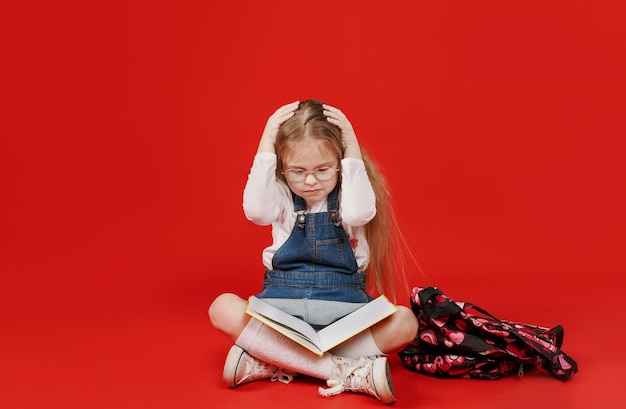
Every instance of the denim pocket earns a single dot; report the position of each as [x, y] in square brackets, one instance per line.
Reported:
[330, 252]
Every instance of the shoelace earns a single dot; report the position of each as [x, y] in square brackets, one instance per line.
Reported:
[355, 375]
[262, 370]
[283, 376]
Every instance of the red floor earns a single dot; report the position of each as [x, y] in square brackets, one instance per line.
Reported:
[159, 351]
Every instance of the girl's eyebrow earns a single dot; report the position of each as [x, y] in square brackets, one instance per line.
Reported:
[324, 165]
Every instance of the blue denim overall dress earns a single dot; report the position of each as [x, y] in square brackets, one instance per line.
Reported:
[315, 273]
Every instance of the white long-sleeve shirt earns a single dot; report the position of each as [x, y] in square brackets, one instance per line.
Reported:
[268, 201]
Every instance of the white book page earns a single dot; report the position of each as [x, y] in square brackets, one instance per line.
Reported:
[352, 324]
[281, 318]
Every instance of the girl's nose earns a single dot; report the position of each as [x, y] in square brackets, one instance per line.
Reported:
[310, 179]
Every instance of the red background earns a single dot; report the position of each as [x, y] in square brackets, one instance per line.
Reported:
[127, 130]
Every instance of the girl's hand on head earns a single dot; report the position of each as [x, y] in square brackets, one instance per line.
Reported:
[351, 146]
[268, 138]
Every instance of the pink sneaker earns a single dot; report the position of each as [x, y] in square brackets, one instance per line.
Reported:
[366, 375]
[241, 367]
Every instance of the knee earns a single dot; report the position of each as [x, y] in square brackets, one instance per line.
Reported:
[397, 331]
[408, 324]
[222, 310]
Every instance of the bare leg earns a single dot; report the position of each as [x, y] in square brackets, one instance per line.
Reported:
[395, 332]
[228, 315]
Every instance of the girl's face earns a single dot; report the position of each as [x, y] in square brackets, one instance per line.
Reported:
[312, 155]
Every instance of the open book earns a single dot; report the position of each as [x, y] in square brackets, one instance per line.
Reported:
[320, 341]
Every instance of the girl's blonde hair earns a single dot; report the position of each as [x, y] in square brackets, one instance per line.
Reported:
[387, 246]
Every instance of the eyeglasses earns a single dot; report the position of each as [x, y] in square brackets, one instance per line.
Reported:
[299, 175]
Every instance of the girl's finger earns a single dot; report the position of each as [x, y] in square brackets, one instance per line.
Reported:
[290, 106]
[286, 108]
[335, 114]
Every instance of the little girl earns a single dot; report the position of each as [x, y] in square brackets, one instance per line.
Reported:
[331, 224]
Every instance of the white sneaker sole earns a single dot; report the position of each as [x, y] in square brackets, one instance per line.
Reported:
[230, 366]
[382, 381]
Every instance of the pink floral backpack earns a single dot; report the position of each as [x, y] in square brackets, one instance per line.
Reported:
[459, 339]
